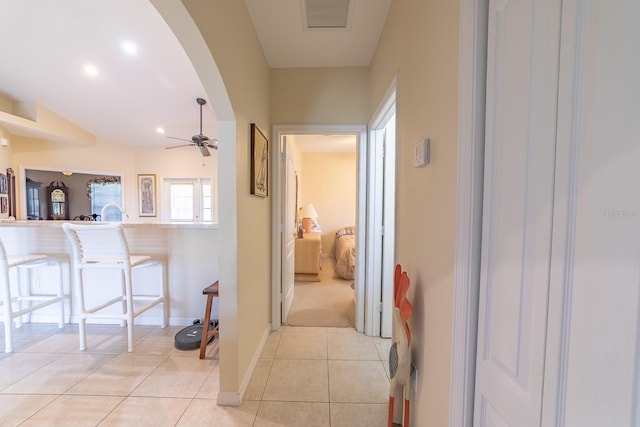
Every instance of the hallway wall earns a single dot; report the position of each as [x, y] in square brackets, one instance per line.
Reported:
[419, 46]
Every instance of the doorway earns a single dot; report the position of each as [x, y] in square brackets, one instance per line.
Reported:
[320, 213]
[287, 206]
[372, 292]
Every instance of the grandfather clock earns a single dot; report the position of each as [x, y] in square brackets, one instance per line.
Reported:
[58, 199]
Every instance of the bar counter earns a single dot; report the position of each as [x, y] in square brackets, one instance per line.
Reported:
[190, 249]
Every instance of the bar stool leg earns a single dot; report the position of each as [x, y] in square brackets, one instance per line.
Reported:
[205, 327]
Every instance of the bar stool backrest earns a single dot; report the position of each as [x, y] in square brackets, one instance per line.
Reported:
[97, 243]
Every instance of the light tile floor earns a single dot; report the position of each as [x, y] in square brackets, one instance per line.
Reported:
[305, 377]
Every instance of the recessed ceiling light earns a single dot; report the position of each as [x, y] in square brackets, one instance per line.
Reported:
[160, 130]
[129, 48]
[91, 70]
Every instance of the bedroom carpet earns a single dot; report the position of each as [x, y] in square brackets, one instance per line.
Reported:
[327, 303]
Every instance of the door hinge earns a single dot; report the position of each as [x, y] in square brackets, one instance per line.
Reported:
[382, 230]
[379, 307]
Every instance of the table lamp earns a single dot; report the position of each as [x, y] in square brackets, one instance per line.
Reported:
[308, 214]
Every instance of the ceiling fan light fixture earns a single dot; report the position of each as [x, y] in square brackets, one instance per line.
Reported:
[200, 140]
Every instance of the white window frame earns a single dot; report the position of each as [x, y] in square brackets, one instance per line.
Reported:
[197, 196]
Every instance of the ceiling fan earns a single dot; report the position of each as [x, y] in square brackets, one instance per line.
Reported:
[201, 141]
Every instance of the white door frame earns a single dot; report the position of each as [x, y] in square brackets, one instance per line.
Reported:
[277, 133]
[471, 114]
[380, 244]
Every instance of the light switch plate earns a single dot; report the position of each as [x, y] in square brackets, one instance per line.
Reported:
[421, 153]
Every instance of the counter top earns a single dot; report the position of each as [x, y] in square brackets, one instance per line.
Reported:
[125, 224]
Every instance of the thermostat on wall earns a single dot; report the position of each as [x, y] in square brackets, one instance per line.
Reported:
[421, 153]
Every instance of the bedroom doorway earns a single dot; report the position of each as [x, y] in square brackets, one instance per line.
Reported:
[325, 168]
[334, 187]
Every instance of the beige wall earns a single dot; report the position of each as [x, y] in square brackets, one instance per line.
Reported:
[419, 44]
[320, 95]
[246, 304]
[329, 183]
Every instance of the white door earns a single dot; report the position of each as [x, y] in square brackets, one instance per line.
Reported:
[595, 282]
[521, 109]
[289, 229]
[388, 226]
[375, 193]
[380, 222]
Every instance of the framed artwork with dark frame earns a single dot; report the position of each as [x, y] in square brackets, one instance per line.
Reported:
[259, 162]
[146, 195]
[4, 204]
[4, 184]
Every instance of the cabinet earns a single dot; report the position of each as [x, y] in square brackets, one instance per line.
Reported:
[33, 199]
[307, 257]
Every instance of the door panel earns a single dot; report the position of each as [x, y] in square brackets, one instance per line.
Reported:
[289, 231]
[522, 70]
[599, 307]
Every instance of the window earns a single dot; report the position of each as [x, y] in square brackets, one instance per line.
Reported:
[103, 193]
[189, 199]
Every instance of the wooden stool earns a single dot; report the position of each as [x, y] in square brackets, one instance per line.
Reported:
[210, 291]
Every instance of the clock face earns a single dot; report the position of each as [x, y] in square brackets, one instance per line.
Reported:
[57, 196]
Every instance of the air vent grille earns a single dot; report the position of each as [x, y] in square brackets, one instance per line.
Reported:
[327, 13]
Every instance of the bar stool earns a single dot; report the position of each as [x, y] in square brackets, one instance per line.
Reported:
[24, 264]
[104, 247]
[210, 291]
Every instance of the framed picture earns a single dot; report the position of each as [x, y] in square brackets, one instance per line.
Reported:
[4, 184]
[259, 162]
[4, 204]
[146, 195]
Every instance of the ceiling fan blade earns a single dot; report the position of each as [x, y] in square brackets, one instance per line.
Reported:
[179, 139]
[178, 146]
[203, 149]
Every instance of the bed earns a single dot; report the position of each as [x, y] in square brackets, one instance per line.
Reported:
[345, 252]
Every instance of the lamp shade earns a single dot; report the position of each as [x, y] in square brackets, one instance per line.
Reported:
[308, 211]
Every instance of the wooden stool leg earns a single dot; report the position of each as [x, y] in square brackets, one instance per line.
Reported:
[205, 327]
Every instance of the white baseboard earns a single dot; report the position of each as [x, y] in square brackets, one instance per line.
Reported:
[227, 398]
[235, 398]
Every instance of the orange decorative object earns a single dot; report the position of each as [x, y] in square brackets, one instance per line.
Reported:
[400, 354]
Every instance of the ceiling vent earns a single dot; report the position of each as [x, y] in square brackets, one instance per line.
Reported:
[326, 13]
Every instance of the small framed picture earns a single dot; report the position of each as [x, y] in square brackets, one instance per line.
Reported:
[259, 162]
[4, 204]
[147, 195]
[4, 184]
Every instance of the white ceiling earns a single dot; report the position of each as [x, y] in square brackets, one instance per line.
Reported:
[44, 45]
[286, 43]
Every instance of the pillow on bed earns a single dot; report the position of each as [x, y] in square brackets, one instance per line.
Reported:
[345, 231]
